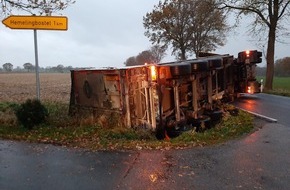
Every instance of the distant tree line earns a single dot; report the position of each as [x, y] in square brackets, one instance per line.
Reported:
[153, 55]
[28, 67]
[281, 68]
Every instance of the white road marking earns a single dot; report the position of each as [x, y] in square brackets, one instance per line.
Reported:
[260, 116]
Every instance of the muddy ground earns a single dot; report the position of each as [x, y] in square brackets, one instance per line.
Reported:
[18, 87]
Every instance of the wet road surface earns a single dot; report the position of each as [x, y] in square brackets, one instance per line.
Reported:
[277, 107]
[40, 166]
[257, 161]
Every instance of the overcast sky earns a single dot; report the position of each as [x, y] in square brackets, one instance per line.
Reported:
[100, 34]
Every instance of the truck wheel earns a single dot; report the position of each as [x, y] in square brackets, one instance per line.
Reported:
[172, 133]
[202, 123]
[215, 116]
[160, 133]
[178, 129]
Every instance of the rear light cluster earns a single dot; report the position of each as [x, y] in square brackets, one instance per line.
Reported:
[250, 91]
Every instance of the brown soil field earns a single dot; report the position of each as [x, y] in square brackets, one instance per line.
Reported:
[18, 87]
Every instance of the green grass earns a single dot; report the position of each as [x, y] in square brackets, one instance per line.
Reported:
[229, 128]
[281, 85]
[85, 132]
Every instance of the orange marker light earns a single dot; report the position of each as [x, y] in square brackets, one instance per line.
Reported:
[248, 53]
[153, 72]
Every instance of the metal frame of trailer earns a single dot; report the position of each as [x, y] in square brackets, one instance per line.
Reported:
[167, 97]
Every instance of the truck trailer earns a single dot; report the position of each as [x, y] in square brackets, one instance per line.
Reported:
[167, 98]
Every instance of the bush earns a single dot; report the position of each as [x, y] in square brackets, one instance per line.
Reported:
[31, 113]
[7, 116]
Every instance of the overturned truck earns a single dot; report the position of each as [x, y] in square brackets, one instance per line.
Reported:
[167, 98]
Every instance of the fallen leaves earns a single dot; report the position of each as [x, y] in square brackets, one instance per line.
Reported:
[64, 130]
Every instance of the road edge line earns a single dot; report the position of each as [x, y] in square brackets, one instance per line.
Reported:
[272, 120]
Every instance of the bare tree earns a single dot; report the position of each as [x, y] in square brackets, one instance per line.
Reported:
[189, 26]
[158, 53]
[38, 7]
[269, 16]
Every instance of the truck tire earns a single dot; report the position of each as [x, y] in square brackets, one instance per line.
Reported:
[202, 123]
[177, 129]
[215, 116]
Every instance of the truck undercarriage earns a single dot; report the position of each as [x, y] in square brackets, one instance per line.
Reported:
[167, 98]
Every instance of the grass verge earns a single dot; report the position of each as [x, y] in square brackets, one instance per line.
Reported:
[60, 129]
[281, 86]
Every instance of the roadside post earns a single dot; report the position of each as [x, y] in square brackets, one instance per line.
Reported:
[36, 23]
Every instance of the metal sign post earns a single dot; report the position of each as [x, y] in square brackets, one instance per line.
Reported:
[36, 66]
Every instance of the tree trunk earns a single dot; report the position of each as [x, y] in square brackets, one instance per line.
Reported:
[270, 58]
[183, 52]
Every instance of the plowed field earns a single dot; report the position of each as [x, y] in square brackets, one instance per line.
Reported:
[17, 87]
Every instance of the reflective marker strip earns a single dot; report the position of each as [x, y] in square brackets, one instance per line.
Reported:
[260, 116]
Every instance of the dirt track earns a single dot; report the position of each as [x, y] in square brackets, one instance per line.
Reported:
[17, 87]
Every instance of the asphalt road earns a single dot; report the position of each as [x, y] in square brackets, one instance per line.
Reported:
[276, 107]
[256, 161]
